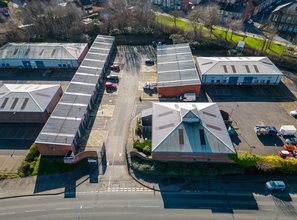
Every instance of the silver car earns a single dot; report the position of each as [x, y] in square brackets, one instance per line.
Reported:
[291, 141]
[275, 185]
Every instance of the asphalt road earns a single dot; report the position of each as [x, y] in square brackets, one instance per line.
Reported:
[202, 205]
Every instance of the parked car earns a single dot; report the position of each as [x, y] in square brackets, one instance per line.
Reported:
[266, 10]
[149, 61]
[49, 72]
[284, 154]
[270, 7]
[115, 67]
[250, 21]
[275, 185]
[154, 43]
[291, 141]
[112, 78]
[160, 43]
[110, 85]
[294, 152]
[290, 147]
[293, 113]
[279, 1]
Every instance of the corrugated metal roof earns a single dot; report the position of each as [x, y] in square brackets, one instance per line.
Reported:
[26, 97]
[61, 51]
[176, 66]
[63, 123]
[237, 66]
[167, 140]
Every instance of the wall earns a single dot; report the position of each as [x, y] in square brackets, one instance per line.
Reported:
[53, 150]
[274, 79]
[14, 63]
[50, 108]
[23, 117]
[179, 90]
[83, 54]
[192, 157]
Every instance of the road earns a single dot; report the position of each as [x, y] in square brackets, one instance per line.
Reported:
[153, 205]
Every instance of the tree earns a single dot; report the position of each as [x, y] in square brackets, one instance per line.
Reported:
[235, 26]
[212, 16]
[270, 35]
[176, 14]
[196, 17]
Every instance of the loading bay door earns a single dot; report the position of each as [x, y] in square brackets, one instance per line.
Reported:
[232, 80]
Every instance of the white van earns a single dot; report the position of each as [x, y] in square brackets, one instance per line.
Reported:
[188, 97]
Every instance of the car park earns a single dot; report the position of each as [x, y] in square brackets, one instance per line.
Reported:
[49, 72]
[284, 154]
[275, 185]
[112, 78]
[110, 85]
[115, 67]
[290, 147]
[149, 61]
[293, 113]
[291, 141]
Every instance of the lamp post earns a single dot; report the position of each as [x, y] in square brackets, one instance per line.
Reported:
[233, 109]
[275, 148]
[80, 211]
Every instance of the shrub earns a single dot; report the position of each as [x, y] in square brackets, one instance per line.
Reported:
[246, 160]
[147, 150]
[33, 153]
[144, 146]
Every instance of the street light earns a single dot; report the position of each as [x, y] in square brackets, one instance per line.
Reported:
[275, 148]
[233, 109]
[80, 211]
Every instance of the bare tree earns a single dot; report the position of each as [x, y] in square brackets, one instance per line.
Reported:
[176, 14]
[196, 17]
[270, 35]
[235, 26]
[212, 17]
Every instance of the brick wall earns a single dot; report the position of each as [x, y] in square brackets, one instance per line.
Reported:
[53, 150]
[179, 90]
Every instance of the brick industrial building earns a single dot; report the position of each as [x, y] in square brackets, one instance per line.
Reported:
[189, 132]
[66, 124]
[177, 73]
[27, 103]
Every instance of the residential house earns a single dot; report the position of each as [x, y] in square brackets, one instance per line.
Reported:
[3, 8]
[284, 18]
[86, 6]
[173, 4]
[232, 12]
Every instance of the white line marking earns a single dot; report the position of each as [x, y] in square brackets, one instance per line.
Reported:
[149, 206]
[7, 213]
[109, 181]
[40, 210]
[63, 208]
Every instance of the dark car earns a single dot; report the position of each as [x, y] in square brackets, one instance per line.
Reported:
[112, 78]
[115, 67]
[49, 72]
[171, 180]
[149, 61]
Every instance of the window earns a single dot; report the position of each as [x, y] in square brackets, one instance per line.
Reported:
[295, 29]
[7, 64]
[293, 20]
[256, 81]
[202, 137]
[64, 65]
[272, 25]
[288, 19]
[262, 81]
[218, 81]
[283, 19]
[290, 28]
[59, 65]
[3, 64]
[275, 17]
[280, 26]
[285, 27]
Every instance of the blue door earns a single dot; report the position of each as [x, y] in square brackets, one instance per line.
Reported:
[232, 80]
[268, 81]
[247, 81]
[39, 64]
[27, 64]
[211, 82]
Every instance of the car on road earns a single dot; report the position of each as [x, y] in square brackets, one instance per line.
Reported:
[49, 72]
[149, 61]
[110, 85]
[115, 67]
[171, 180]
[112, 78]
[284, 154]
[275, 185]
[291, 141]
[290, 147]
[250, 21]
[293, 113]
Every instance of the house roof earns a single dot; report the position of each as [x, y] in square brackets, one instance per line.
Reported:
[42, 50]
[236, 65]
[232, 7]
[63, 124]
[85, 2]
[176, 66]
[289, 8]
[3, 4]
[26, 97]
[176, 128]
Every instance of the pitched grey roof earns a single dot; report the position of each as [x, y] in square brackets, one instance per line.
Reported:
[63, 124]
[289, 9]
[176, 66]
[236, 65]
[172, 133]
[42, 51]
[26, 97]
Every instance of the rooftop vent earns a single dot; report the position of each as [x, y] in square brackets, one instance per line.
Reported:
[4, 103]
[24, 103]
[233, 68]
[53, 52]
[166, 126]
[256, 69]
[165, 113]
[14, 103]
[209, 114]
[41, 52]
[206, 63]
[27, 52]
[16, 50]
[247, 68]
[213, 127]
[225, 68]
[44, 95]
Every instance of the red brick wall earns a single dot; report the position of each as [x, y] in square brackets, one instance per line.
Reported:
[9, 117]
[55, 100]
[82, 56]
[189, 157]
[53, 150]
[179, 90]
[185, 4]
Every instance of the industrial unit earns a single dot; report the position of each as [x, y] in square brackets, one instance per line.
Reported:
[177, 73]
[188, 132]
[66, 124]
[238, 71]
[28, 103]
[42, 55]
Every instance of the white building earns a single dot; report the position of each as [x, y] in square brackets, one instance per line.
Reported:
[238, 71]
[42, 55]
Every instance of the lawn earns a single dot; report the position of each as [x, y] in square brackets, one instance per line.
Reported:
[54, 165]
[253, 42]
